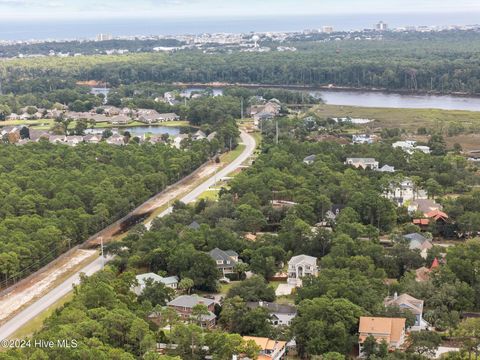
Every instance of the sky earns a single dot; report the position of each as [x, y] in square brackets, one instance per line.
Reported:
[65, 9]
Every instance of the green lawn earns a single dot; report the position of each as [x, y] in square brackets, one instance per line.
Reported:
[225, 288]
[232, 155]
[209, 195]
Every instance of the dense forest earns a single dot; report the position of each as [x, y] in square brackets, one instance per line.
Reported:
[55, 196]
[444, 63]
[354, 264]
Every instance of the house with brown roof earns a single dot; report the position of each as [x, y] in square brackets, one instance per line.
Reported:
[269, 349]
[423, 273]
[405, 301]
[390, 330]
[435, 216]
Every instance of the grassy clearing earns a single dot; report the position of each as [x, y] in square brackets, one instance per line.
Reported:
[210, 194]
[232, 155]
[37, 323]
[225, 288]
[409, 119]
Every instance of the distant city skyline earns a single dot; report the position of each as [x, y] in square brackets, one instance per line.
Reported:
[171, 9]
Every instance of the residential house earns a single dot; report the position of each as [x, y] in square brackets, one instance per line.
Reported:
[13, 116]
[435, 216]
[148, 116]
[170, 98]
[424, 206]
[184, 305]
[92, 138]
[36, 135]
[57, 139]
[199, 135]
[111, 111]
[417, 241]
[11, 133]
[269, 349]
[155, 139]
[363, 163]
[177, 141]
[404, 192]
[299, 267]
[225, 260]
[331, 215]
[74, 140]
[116, 139]
[169, 117]
[281, 315]
[265, 112]
[362, 139]
[194, 225]
[99, 118]
[119, 120]
[212, 136]
[410, 146]
[423, 273]
[387, 169]
[391, 330]
[408, 302]
[170, 282]
[309, 160]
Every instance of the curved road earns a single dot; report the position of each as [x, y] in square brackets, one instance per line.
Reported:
[64, 288]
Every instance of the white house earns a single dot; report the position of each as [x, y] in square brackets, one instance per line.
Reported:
[170, 282]
[280, 314]
[404, 192]
[410, 146]
[362, 139]
[301, 266]
[363, 163]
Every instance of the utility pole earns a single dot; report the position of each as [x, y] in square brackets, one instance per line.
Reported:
[241, 109]
[101, 251]
[276, 131]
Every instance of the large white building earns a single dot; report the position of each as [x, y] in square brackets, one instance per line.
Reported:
[299, 267]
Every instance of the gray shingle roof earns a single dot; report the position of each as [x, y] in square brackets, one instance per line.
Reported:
[189, 301]
[225, 256]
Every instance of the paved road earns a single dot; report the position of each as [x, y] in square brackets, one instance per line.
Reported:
[64, 288]
[234, 165]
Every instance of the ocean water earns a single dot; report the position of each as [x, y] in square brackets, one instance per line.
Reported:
[87, 29]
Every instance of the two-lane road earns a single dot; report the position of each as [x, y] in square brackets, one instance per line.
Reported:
[64, 288]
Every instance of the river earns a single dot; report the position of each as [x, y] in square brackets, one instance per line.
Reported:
[391, 100]
[383, 99]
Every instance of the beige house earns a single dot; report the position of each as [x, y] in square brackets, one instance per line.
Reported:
[390, 330]
[363, 163]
